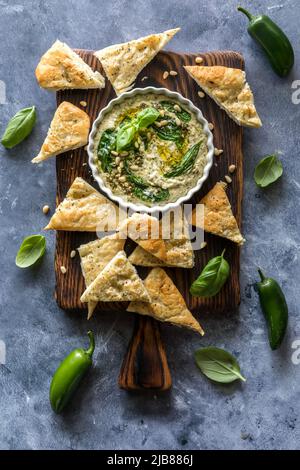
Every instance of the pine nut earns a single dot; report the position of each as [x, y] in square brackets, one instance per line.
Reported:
[218, 152]
[163, 123]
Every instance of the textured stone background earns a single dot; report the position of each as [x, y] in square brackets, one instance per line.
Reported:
[196, 414]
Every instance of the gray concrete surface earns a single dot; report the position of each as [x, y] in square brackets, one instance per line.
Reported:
[263, 413]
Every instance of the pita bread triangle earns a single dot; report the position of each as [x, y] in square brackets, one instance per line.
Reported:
[123, 62]
[141, 257]
[69, 130]
[61, 68]
[218, 217]
[95, 256]
[117, 282]
[84, 210]
[179, 251]
[229, 89]
[167, 304]
[145, 230]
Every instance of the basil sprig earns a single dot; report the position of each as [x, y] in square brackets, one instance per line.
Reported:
[142, 120]
[182, 114]
[30, 251]
[268, 170]
[218, 365]
[19, 127]
[212, 278]
[107, 143]
[186, 164]
[142, 190]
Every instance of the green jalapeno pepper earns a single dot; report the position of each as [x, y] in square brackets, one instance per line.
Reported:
[273, 41]
[69, 374]
[275, 309]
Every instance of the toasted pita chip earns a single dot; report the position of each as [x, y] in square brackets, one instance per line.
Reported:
[146, 232]
[68, 130]
[167, 304]
[229, 89]
[95, 256]
[61, 68]
[84, 210]
[218, 216]
[179, 251]
[179, 254]
[141, 257]
[117, 282]
[123, 62]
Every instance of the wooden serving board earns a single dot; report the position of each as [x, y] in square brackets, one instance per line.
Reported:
[227, 135]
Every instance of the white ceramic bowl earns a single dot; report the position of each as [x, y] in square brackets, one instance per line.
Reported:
[169, 94]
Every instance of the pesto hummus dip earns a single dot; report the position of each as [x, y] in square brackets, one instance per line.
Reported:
[150, 150]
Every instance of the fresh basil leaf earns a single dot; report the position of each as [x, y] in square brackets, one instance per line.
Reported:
[125, 135]
[146, 117]
[186, 164]
[19, 127]
[212, 278]
[30, 251]
[107, 143]
[182, 114]
[142, 120]
[218, 365]
[125, 120]
[268, 170]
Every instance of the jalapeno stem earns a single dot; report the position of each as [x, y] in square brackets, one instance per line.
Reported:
[246, 12]
[262, 276]
[91, 348]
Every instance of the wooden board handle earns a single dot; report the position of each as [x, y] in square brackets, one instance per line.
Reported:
[145, 365]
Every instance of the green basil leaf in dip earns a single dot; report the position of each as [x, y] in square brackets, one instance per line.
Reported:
[170, 132]
[146, 117]
[125, 135]
[186, 164]
[127, 132]
[19, 127]
[268, 170]
[182, 114]
[107, 143]
[212, 278]
[30, 251]
[218, 365]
